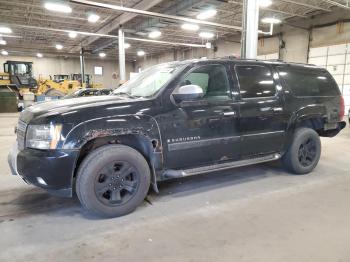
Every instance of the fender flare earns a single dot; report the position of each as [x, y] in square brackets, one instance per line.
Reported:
[315, 111]
[114, 126]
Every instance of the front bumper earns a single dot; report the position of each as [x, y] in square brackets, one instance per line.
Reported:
[52, 170]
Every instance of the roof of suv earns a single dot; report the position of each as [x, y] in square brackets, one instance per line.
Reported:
[239, 60]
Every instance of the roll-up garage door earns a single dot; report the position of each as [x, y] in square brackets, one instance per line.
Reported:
[336, 59]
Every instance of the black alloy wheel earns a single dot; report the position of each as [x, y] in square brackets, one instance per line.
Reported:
[307, 152]
[116, 183]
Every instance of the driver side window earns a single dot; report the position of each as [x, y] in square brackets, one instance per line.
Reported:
[212, 79]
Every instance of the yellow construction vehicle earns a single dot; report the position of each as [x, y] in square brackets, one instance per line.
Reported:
[18, 75]
[88, 81]
[59, 85]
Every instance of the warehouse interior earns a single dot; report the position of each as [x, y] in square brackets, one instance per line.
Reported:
[250, 213]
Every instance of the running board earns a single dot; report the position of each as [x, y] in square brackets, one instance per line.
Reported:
[168, 174]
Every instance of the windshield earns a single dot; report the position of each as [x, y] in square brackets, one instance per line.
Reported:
[18, 68]
[148, 82]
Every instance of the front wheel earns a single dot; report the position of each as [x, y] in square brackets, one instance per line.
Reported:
[304, 152]
[113, 180]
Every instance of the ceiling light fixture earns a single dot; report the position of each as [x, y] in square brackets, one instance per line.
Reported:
[190, 27]
[102, 55]
[72, 34]
[93, 18]
[141, 53]
[271, 20]
[40, 55]
[3, 42]
[59, 46]
[155, 34]
[206, 35]
[5, 30]
[4, 52]
[207, 14]
[126, 45]
[58, 7]
[265, 3]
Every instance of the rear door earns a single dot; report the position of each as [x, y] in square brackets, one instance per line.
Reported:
[262, 114]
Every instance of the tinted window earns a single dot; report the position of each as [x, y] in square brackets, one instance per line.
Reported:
[308, 81]
[255, 81]
[212, 79]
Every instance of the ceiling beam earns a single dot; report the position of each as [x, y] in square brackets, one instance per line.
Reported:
[154, 14]
[307, 5]
[263, 8]
[106, 36]
[116, 22]
[337, 4]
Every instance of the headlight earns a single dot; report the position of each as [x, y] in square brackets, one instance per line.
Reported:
[43, 136]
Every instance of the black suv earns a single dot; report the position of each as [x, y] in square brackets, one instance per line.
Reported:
[174, 120]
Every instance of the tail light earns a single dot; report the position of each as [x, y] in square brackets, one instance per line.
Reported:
[342, 108]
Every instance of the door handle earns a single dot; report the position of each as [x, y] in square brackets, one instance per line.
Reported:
[231, 113]
[277, 109]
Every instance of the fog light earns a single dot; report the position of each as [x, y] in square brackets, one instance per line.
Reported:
[41, 181]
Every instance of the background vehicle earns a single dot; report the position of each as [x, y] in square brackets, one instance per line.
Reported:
[88, 81]
[60, 85]
[19, 76]
[89, 92]
[174, 120]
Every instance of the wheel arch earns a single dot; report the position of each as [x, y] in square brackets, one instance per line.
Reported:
[312, 116]
[138, 132]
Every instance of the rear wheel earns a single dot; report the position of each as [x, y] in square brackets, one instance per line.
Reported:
[113, 180]
[304, 152]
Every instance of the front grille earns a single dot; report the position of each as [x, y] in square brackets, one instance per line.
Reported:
[21, 133]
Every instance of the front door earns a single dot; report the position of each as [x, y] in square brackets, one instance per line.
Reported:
[262, 115]
[204, 131]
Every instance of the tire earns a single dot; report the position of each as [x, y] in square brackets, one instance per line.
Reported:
[113, 180]
[304, 153]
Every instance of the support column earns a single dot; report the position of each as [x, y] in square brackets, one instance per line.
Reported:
[82, 66]
[249, 41]
[121, 48]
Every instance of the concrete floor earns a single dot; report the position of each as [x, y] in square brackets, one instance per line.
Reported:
[257, 213]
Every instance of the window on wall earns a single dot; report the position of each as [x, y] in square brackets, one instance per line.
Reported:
[98, 70]
[255, 81]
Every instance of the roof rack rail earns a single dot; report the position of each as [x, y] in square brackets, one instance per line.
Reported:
[274, 60]
[231, 57]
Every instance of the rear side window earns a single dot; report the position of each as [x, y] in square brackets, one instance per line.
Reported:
[255, 81]
[308, 81]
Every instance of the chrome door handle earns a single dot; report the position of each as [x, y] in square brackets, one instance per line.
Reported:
[231, 113]
[277, 109]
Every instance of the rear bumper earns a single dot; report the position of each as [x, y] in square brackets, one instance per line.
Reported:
[333, 129]
[51, 170]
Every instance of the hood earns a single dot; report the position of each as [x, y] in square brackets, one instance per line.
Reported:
[63, 107]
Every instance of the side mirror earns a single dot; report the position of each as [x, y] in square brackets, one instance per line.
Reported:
[188, 93]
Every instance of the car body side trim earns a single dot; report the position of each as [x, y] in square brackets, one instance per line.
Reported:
[201, 143]
[265, 133]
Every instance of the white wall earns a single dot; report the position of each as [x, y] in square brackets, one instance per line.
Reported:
[47, 66]
[296, 45]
